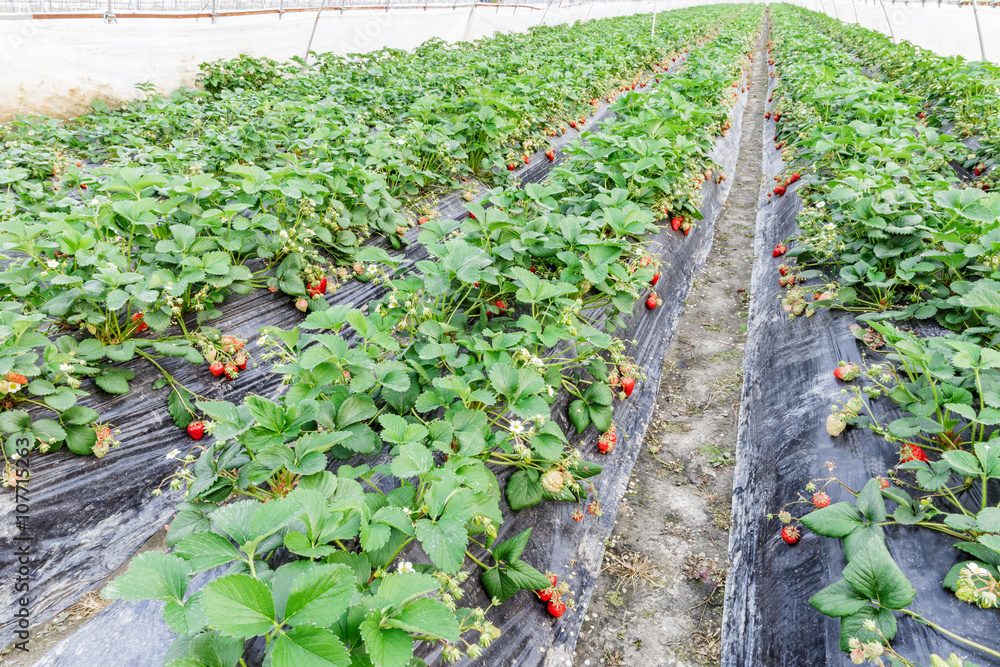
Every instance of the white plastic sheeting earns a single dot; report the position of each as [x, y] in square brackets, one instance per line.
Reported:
[56, 67]
[946, 29]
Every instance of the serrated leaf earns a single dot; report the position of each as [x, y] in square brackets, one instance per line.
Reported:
[320, 595]
[180, 407]
[838, 600]
[206, 550]
[522, 491]
[389, 647]
[153, 575]
[309, 647]
[112, 383]
[238, 605]
[837, 520]
[444, 541]
[579, 415]
[874, 574]
[427, 616]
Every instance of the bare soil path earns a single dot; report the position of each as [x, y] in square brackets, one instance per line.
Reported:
[659, 598]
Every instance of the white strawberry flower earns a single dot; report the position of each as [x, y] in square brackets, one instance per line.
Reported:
[405, 566]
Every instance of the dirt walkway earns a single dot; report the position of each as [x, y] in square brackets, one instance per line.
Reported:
[659, 599]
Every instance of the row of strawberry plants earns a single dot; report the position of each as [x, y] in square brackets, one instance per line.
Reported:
[451, 383]
[882, 203]
[959, 96]
[140, 259]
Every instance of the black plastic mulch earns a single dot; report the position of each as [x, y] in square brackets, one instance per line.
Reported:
[788, 389]
[94, 514]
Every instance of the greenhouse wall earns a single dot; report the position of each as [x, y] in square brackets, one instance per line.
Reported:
[930, 24]
[61, 64]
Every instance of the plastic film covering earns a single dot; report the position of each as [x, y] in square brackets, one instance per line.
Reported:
[788, 388]
[133, 633]
[64, 63]
[948, 28]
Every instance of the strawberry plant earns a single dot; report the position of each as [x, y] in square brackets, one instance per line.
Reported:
[442, 405]
[906, 238]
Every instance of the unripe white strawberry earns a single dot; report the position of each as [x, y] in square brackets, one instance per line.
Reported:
[553, 481]
[835, 425]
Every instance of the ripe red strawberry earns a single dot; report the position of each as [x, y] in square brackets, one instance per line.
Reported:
[783, 269]
[675, 224]
[556, 607]
[216, 368]
[656, 278]
[142, 326]
[572, 124]
[317, 288]
[790, 534]
[422, 220]
[794, 177]
[79, 163]
[653, 301]
[980, 168]
[578, 516]
[604, 444]
[545, 594]
[551, 155]
[791, 280]
[779, 250]
[686, 227]
[783, 281]
[83, 186]
[400, 230]
[16, 378]
[526, 159]
[847, 372]
[767, 115]
[240, 361]
[595, 509]
[821, 500]
[511, 166]
[779, 190]
[196, 430]
[912, 452]
[231, 343]
[883, 483]
[500, 304]
[628, 385]
[231, 370]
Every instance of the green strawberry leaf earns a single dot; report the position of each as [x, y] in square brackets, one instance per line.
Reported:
[523, 490]
[837, 520]
[874, 574]
[238, 605]
[838, 600]
[579, 415]
[309, 646]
